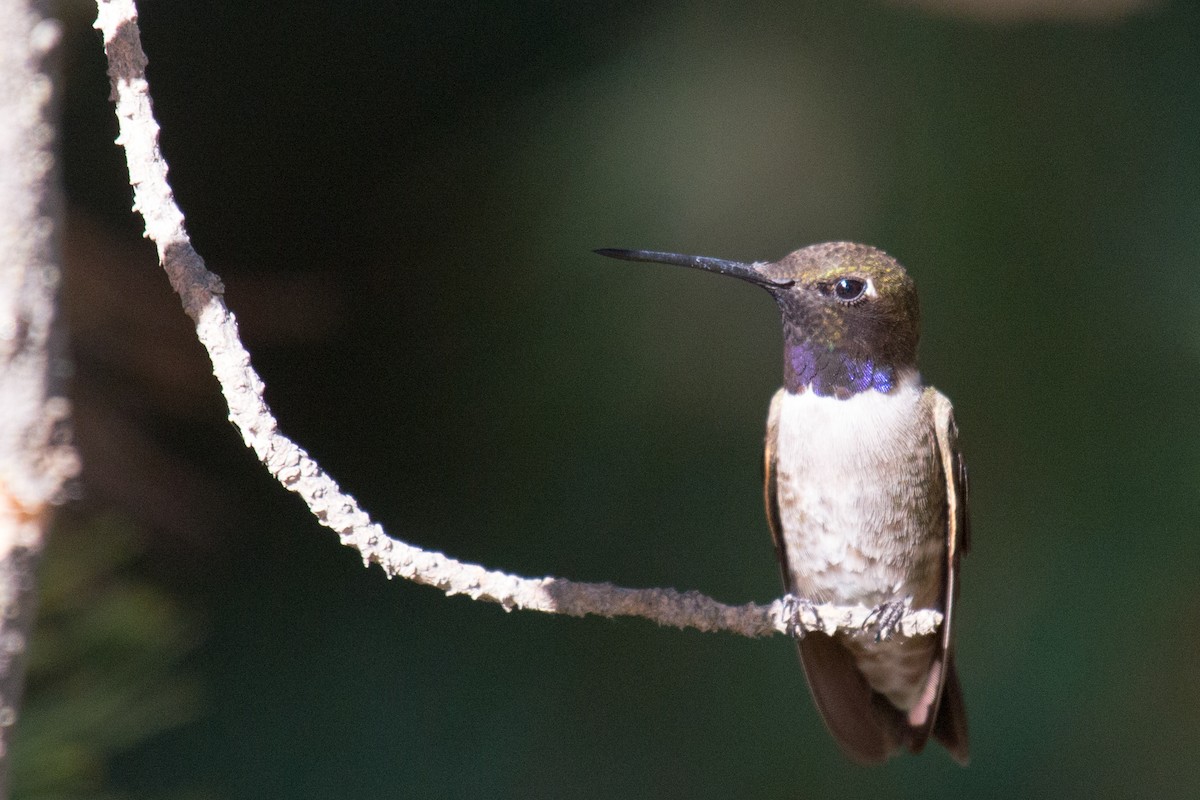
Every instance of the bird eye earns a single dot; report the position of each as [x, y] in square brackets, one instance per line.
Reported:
[849, 289]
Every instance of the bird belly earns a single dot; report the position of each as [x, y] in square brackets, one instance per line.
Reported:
[862, 509]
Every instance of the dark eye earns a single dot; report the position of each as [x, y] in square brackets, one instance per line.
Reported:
[849, 289]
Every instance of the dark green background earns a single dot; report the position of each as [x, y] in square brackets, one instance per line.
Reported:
[493, 390]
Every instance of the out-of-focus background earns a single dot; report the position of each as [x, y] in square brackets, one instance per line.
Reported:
[403, 201]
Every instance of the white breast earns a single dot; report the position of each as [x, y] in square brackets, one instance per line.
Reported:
[861, 496]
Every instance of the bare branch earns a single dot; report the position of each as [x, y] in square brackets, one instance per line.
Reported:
[201, 292]
[35, 460]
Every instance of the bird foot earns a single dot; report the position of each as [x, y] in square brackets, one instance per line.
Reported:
[800, 616]
[885, 619]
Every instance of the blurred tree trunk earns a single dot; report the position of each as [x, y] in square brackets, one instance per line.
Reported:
[35, 459]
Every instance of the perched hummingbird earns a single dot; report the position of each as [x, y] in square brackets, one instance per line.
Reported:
[865, 488]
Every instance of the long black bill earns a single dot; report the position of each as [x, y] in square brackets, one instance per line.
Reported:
[737, 269]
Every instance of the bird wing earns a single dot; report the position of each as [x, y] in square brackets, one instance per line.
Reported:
[941, 708]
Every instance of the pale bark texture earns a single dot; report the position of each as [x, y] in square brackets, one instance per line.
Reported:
[35, 459]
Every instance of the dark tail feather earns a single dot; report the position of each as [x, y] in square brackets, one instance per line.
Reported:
[950, 727]
[868, 728]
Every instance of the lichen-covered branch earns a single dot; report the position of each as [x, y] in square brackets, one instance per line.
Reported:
[35, 459]
[201, 292]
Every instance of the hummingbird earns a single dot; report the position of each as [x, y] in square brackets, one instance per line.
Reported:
[865, 490]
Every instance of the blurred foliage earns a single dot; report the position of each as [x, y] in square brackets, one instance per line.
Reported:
[491, 389]
[104, 672]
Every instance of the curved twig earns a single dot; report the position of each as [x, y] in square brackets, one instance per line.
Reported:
[201, 293]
